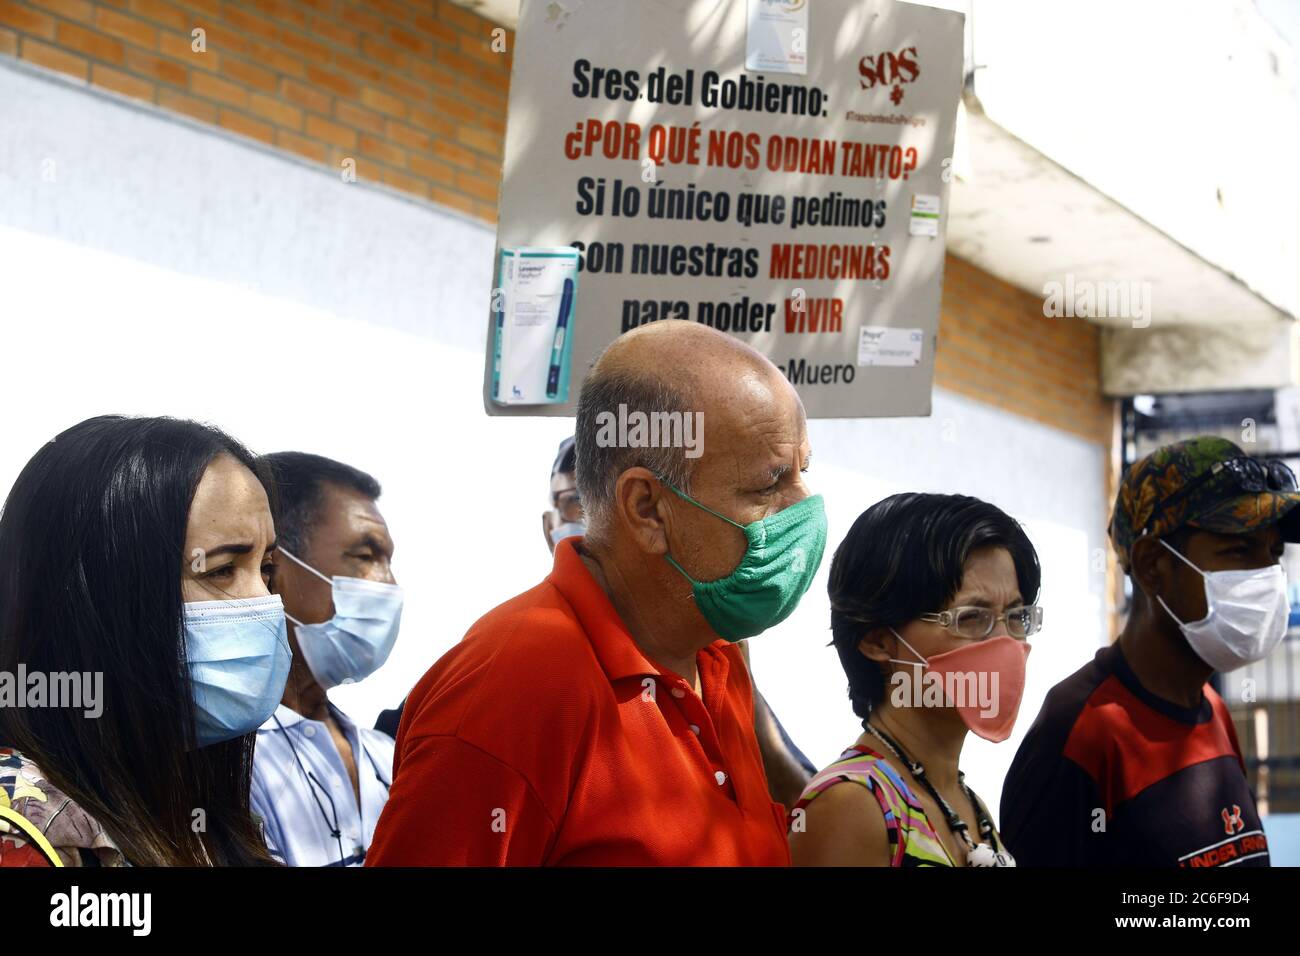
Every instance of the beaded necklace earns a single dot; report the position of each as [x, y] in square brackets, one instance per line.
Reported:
[981, 854]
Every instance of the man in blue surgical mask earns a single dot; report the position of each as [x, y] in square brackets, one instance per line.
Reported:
[319, 781]
[565, 518]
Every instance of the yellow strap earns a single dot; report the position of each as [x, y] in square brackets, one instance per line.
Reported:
[33, 834]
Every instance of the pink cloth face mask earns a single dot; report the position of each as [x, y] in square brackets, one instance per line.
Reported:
[991, 671]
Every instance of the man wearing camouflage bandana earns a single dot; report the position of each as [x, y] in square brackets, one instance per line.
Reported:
[1133, 759]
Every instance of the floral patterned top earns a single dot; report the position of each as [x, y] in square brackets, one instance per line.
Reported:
[39, 824]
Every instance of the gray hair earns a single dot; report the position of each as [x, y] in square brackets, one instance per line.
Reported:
[599, 466]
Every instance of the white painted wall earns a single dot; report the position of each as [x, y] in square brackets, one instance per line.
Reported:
[1173, 108]
[169, 269]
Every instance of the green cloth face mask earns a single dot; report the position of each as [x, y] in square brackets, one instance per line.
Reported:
[784, 553]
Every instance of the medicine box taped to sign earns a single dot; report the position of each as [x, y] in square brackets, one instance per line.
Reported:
[791, 211]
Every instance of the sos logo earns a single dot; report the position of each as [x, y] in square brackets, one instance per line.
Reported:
[889, 69]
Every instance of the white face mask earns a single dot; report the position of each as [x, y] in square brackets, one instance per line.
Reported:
[1248, 613]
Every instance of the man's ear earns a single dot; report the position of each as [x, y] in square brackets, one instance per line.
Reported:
[1149, 566]
[878, 645]
[640, 508]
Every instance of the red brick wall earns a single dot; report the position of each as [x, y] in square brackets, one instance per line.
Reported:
[996, 346]
[413, 92]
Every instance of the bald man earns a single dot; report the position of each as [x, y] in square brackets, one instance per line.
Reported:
[788, 770]
[605, 717]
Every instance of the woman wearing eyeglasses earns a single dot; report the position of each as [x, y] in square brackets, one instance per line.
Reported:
[932, 600]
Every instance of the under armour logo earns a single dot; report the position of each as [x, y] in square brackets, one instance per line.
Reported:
[1232, 822]
[799, 561]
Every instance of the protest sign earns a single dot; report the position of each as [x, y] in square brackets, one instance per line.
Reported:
[804, 213]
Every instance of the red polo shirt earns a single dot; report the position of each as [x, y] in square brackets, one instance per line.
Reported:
[547, 737]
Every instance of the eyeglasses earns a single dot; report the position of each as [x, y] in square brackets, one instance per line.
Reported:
[977, 623]
[569, 505]
[1250, 475]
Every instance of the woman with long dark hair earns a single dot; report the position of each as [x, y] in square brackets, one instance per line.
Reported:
[932, 602]
[142, 645]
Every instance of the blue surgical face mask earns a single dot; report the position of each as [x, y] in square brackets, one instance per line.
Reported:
[570, 529]
[356, 641]
[238, 657]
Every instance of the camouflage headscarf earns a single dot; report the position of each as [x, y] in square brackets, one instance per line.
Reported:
[1150, 501]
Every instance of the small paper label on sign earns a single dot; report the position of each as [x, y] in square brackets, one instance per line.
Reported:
[881, 345]
[925, 215]
[777, 39]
